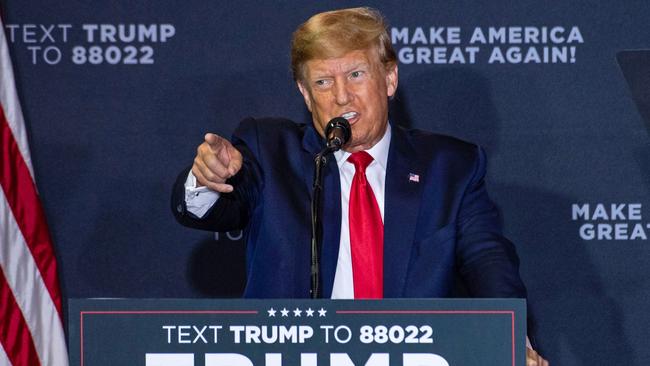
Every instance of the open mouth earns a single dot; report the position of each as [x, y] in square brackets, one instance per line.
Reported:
[350, 116]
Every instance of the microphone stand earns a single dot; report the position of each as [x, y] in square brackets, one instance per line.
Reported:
[316, 224]
[337, 133]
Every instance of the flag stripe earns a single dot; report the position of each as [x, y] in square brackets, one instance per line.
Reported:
[4, 359]
[9, 101]
[14, 334]
[29, 292]
[21, 195]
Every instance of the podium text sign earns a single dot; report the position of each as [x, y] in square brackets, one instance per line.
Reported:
[190, 332]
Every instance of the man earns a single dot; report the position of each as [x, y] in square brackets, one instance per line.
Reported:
[422, 198]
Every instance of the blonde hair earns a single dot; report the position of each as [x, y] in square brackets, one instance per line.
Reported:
[334, 33]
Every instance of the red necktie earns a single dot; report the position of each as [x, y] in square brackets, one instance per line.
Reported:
[366, 233]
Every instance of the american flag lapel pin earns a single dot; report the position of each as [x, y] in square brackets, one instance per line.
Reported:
[414, 178]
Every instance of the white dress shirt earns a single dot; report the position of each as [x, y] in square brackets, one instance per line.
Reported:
[198, 200]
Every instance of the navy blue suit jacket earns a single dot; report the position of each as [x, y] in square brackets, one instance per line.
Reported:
[442, 226]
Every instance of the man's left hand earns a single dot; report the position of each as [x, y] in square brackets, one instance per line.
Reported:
[534, 359]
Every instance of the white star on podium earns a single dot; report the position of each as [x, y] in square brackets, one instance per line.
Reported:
[284, 312]
[297, 312]
[322, 312]
[309, 312]
[272, 312]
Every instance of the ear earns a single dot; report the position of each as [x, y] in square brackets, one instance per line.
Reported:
[391, 80]
[305, 94]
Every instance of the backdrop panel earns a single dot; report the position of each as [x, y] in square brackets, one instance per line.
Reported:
[118, 94]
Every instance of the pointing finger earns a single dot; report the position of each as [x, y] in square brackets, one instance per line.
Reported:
[236, 160]
[211, 138]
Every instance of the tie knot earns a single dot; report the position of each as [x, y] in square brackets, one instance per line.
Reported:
[361, 160]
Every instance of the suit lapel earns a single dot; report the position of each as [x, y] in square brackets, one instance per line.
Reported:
[331, 207]
[404, 181]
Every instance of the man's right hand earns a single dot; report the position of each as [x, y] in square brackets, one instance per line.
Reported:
[216, 160]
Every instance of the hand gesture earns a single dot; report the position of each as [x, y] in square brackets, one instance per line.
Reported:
[216, 160]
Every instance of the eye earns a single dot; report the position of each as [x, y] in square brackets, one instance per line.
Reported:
[322, 83]
[356, 74]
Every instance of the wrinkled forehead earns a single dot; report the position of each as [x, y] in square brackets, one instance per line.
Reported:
[344, 62]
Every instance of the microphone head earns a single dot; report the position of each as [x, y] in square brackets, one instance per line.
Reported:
[337, 132]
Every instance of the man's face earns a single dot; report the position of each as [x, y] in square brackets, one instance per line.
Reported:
[355, 86]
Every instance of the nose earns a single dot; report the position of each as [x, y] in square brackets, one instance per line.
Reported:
[342, 94]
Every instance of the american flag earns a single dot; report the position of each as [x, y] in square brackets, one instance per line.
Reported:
[414, 178]
[31, 326]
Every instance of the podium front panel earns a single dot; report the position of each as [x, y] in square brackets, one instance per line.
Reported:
[190, 332]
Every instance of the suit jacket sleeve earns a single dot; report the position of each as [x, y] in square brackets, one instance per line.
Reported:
[487, 261]
[233, 210]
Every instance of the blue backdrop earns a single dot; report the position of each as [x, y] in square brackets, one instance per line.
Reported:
[118, 94]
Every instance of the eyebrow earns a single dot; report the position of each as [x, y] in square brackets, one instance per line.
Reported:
[353, 67]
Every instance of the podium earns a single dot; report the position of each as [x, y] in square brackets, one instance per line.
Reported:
[203, 332]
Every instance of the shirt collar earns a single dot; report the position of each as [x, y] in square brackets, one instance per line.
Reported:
[379, 152]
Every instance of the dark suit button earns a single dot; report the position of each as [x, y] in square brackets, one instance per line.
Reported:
[179, 208]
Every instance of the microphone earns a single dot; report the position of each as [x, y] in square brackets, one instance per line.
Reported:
[337, 133]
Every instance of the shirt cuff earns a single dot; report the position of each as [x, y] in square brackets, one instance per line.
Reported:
[198, 200]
